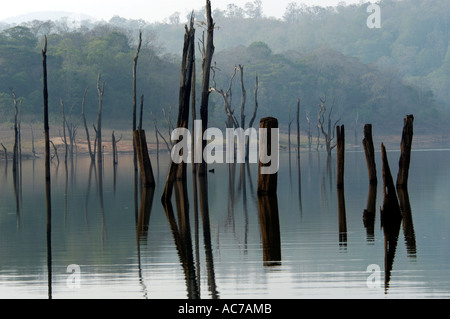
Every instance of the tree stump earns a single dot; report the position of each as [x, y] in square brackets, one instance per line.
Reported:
[405, 156]
[267, 183]
[145, 164]
[370, 154]
[390, 212]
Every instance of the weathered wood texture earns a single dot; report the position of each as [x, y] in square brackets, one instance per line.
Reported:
[145, 165]
[207, 54]
[370, 154]
[405, 156]
[267, 183]
[340, 135]
[390, 211]
[178, 171]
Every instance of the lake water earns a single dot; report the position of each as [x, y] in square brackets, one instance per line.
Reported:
[121, 249]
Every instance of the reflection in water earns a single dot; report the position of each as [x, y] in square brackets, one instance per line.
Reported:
[306, 250]
[391, 228]
[370, 212]
[408, 227]
[342, 218]
[142, 228]
[270, 229]
[204, 209]
[182, 236]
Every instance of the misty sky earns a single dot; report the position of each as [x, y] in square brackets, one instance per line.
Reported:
[148, 10]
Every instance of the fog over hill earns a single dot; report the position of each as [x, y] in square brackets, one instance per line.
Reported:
[72, 17]
[374, 74]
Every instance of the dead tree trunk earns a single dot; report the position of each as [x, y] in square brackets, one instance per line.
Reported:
[114, 148]
[135, 60]
[329, 132]
[64, 139]
[267, 183]
[91, 153]
[390, 211]
[100, 90]
[340, 136]
[141, 112]
[16, 133]
[145, 164]
[244, 95]
[207, 54]
[47, 159]
[179, 170]
[252, 120]
[370, 154]
[405, 157]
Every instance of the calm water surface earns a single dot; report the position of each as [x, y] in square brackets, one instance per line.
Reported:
[128, 246]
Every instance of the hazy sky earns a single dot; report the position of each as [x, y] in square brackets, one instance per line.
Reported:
[149, 10]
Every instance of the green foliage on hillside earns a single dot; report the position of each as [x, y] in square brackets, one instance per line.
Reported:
[373, 75]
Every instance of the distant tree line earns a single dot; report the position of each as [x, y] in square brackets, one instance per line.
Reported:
[364, 73]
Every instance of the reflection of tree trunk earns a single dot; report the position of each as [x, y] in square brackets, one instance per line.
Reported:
[182, 237]
[370, 211]
[142, 227]
[408, 227]
[204, 209]
[144, 213]
[342, 218]
[102, 205]
[391, 231]
[270, 229]
[391, 217]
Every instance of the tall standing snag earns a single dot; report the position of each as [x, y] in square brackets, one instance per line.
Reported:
[267, 183]
[207, 54]
[101, 90]
[405, 157]
[47, 164]
[145, 165]
[179, 169]
[370, 154]
[135, 60]
[340, 136]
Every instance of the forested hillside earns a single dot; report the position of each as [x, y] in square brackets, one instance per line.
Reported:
[372, 75]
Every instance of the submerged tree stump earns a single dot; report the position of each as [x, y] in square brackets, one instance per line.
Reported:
[370, 154]
[340, 135]
[267, 183]
[405, 156]
[270, 229]
[390, 212]
[145, 164]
